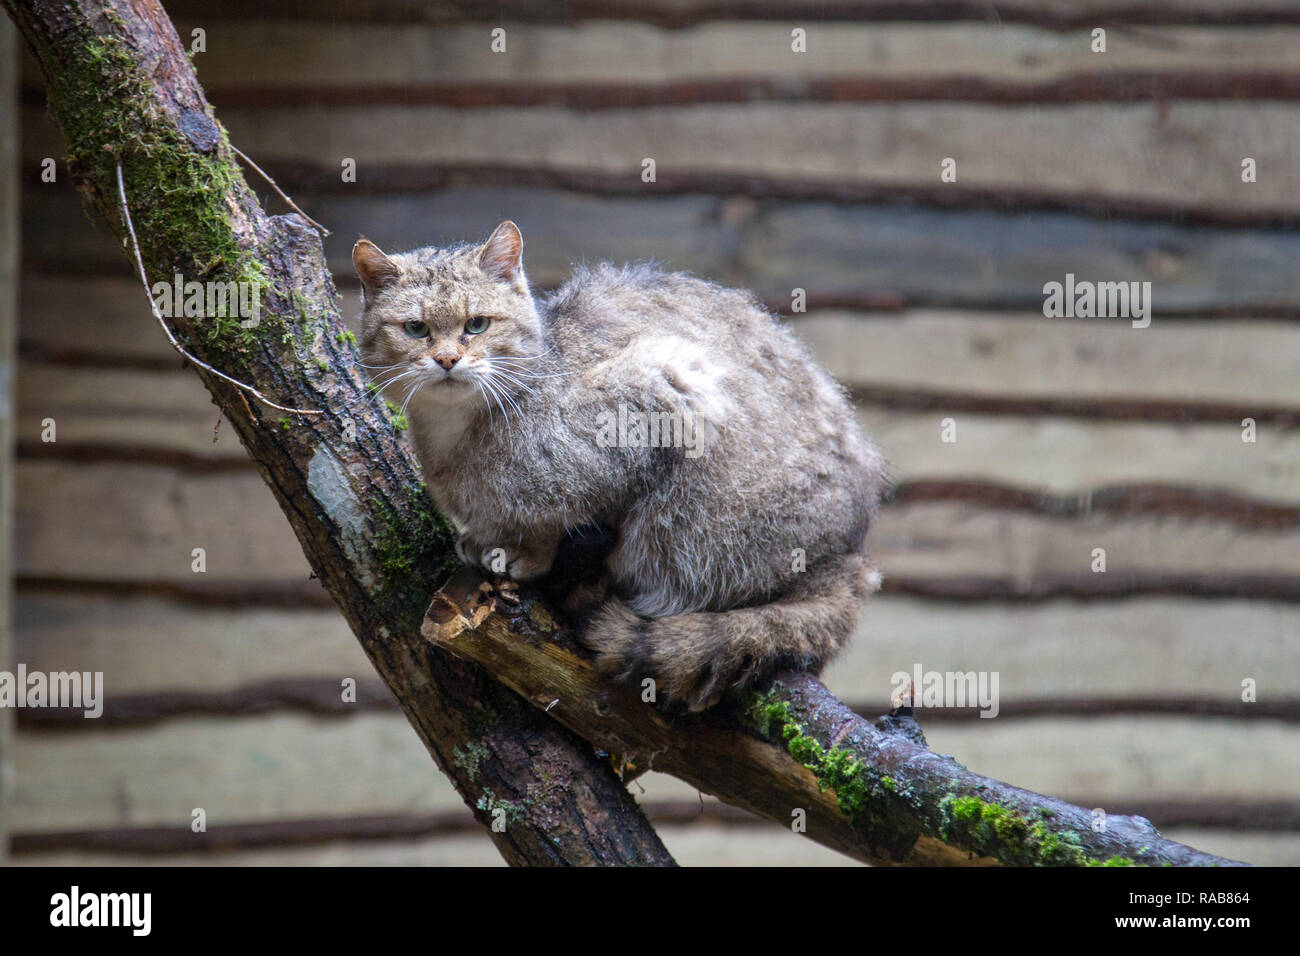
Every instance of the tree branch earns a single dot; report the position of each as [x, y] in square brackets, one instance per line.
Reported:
[124, 92]
[872, 791]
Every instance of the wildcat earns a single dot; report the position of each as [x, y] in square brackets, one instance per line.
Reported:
[739, 521]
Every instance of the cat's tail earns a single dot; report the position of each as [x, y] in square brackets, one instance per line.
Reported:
[695, 658]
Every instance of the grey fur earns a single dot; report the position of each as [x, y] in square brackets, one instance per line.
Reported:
[707, 570]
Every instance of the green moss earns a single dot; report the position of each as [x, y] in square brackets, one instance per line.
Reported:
[414, 553]
[395, 415]
[469, 757]
[347, 336]
[873, 802]
[990, 829]
[175, 190]
[489, 804]
[884, 815]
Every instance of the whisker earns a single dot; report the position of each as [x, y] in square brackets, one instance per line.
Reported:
[492, 390]
[512, 380]
[411, 394]
[513, 404]
[384, 386]
[483, 395]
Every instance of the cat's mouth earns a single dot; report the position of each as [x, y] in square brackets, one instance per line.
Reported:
[447, 387]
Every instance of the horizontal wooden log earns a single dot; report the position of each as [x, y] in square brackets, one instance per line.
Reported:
[416, 841]
[1250, 85]
[158, 405]
[597, 64]
[1132, 500]
[137, 523]
[1124, 500]
[843, 253]
[702, 812]
[1007, 355]
[1260, 848]
[1053, 465]
[946, 538]
[264, 768]
[1079, 651]
[323, 696]
[142, 412]
[1063, 650]
[1098, 587]
[722, 837]
[691, 845]
[1053, 14]
[153, 645]
[239, 659]
[140, 522]
[1028, 356]
[290, 593]
[1281, 417]
[821, 246]
[238, 770]
[250, 836]
[1182, 156]
[1134, 747]
[666, 808]
[451, 850]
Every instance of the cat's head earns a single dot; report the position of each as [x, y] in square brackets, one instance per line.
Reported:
[449, 326]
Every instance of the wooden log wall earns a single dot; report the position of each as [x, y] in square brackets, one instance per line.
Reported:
[777, 171]
[9, 161]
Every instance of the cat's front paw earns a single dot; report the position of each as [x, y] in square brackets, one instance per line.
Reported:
[524, 565]
[469, 551]
[517, 563]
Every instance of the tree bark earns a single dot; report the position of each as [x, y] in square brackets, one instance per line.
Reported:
[123, 91]
[792, 753]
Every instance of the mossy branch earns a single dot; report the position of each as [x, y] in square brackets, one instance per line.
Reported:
[125, 95]
[793, 754]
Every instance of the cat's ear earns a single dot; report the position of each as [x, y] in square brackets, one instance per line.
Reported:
[503, 255]
[375, 269]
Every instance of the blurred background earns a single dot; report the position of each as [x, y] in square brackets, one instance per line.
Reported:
[814, 173]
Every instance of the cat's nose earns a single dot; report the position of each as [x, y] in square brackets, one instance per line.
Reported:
[446, 359]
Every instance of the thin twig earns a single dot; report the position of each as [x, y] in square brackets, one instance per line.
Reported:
[144, 278]
[274, 185]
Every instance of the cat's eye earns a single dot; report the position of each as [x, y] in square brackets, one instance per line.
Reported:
[477, 324]
[416, 329]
